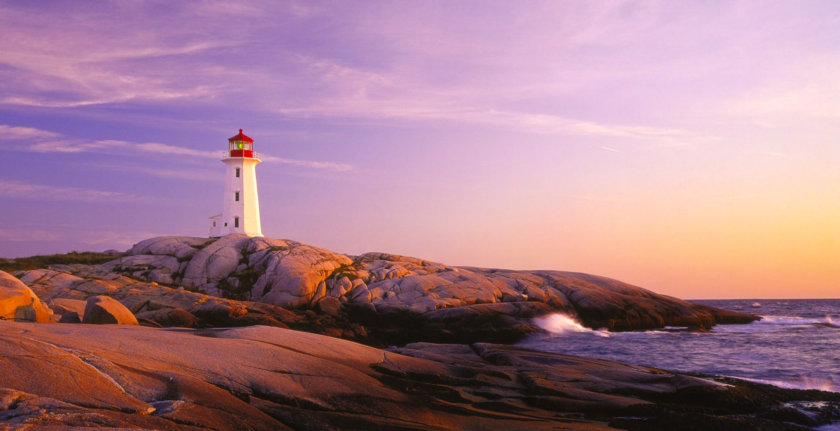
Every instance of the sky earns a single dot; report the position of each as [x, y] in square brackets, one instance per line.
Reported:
[691, 148]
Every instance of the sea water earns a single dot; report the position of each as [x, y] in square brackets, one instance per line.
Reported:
[795, 345]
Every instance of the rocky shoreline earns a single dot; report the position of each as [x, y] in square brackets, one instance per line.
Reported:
[256, 333]
[376, 298]
[260, 377]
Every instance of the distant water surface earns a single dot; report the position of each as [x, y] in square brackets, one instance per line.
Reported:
[795, 345]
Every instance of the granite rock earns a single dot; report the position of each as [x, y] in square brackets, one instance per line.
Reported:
[238, 280]
[104, 310]
[70, 310]
[156, 304]
[19, 303]
[264, 378]
[297, 276]
[170, 317]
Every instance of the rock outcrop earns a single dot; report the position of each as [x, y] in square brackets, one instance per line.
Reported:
[375, 298]
[106, 310]
[69, 310]
[377, 286]
[19, 303]
[68, 287]
[264, 378]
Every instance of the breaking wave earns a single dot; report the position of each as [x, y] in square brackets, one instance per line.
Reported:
[795, 344]
[559, 323]
[803, 382]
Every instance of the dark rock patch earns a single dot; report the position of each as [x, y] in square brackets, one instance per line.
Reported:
[106, 310]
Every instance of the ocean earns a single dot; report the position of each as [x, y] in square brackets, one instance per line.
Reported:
[795, 345]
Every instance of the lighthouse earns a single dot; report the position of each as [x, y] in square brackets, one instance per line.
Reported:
[241, 207]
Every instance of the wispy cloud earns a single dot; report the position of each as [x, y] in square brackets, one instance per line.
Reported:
[524, 122]
[77, 237]
[43, 141]
[17, 133]
[154, 147]
[23, 190]
[337, 167]
[611, 149]
[807, 94]
[71, 146]
[72, 58]
[180, 172]
[559, 125]
[112, 238]
[111, 65]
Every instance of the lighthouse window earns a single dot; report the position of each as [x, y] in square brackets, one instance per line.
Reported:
[240, 145]
[236, 222]
[236, 196]
[237, 172]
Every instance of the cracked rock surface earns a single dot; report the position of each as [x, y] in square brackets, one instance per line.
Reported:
[375, 298]
[381, 289]
[267, 378]
[18, 302]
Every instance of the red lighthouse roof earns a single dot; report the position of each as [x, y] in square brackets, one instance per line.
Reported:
[240, 137]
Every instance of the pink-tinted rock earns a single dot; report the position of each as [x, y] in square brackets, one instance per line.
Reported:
[107, 310]
[70, 310]
[168, 317]
[399, 289]
[263, 378]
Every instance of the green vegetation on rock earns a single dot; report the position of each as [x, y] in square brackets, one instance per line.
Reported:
[43, 261]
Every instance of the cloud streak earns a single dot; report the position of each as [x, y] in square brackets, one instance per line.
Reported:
[43, 141]
[180, 172]
[154, 147]
[75, 236]
[14, 133]
[108, 66]
[22, 190]
[72, 58]
[524, 122]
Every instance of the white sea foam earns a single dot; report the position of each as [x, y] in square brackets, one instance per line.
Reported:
[800, 383]
[563, 324]
[794, 346]
[777, 323]
[789, 320]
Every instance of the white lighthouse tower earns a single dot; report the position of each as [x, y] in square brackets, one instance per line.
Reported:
[241, 208]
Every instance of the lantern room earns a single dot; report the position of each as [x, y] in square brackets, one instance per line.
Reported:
[241, 145]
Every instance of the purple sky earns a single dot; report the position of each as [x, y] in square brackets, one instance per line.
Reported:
[689, 147]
